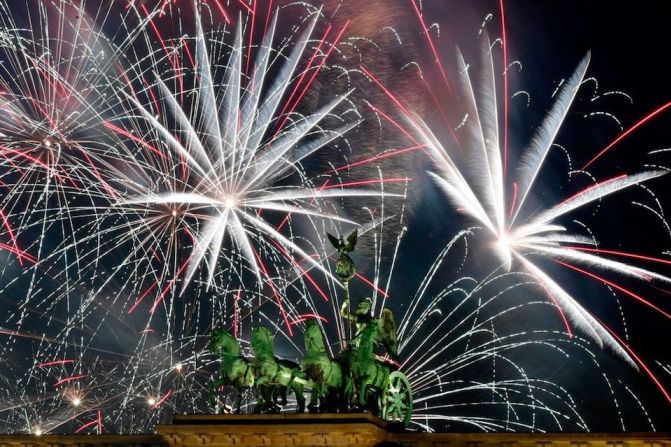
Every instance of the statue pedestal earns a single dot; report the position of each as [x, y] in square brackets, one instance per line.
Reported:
[274, 430]
[303, 430]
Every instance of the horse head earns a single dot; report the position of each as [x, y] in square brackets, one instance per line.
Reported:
[221, 341]
[314, 342]
[262, 341]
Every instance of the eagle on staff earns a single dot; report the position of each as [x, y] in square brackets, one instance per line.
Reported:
[345, 269]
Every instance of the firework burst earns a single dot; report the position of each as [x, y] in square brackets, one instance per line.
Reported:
[476, 188]
[157, 182]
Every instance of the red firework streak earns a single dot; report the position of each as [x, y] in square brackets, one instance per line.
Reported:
[394, 123]
[252, 12]
[615, 286]
[303, 271]
[386, 91]
[188, 52]
[431, 44]
[514, 201]
[270, 9]
[370, 182]
[68, 379]
[132, 137]
[167, 288]
[32, 159]
[162, 295]
[19, 254]
[314, 75]
[158, 35]
[97, 422]
[438, 62]
[290, 258]
[286, 218]
[638, 360]
[303, 74]
[304, 317]
[597, 185]
[152, 96]
[398, 104]
[54, 363]
[142, 297]
[552, 297]
[624, 135]
[163, 399]
[221, 9]
[623, 254]
[387, 154]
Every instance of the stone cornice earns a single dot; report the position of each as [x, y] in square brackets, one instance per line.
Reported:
[323, 430]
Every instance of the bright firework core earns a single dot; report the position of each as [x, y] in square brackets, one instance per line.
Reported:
[229, 202]
[179, 175]
[504, 247]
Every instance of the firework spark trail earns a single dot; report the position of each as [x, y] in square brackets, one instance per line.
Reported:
[453, 330]
[136, 191]
[477, 189]
[232, 168]
[157, 189]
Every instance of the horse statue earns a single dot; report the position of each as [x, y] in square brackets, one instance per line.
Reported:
[234, 368]
[274, 377]
[368, 376]
[325, 373]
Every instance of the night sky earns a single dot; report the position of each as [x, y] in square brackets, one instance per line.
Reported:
[627, 44]
[627, 53]
[120, 340]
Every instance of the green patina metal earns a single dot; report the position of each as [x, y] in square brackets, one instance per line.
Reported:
[275, 378]
[345, 269]
[326, 374]
[234, 369]
[363, 377]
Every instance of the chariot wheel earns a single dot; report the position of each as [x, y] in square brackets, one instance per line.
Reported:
[397, 401]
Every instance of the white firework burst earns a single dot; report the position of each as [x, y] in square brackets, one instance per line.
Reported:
[476, 187]
[237, 147]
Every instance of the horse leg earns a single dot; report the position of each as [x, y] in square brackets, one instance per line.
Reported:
[261, 393]
[314, 398]
[348, 393]
[214, 387]
[270, 399]
[285, 394]
[238, 400]
[271, 394]
[363, 393]
[300, 397]
[331, 398]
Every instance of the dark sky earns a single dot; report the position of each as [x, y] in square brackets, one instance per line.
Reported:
[629, 47]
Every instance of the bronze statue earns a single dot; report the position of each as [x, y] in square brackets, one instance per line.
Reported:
[364, 375]
[325, 373]
[235, 370]
[274, 377]
[368, 375]
[345, 269]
